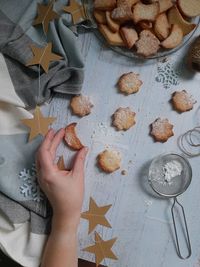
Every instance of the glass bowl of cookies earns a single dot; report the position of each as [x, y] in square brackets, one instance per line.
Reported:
[143, 29]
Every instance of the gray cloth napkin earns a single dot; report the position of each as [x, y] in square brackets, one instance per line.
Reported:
[18, 187]
[17, 34]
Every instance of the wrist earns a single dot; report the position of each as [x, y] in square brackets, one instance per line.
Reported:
[65, 225]
[64, 236]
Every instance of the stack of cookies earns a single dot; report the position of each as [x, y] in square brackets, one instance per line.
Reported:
[145, 26]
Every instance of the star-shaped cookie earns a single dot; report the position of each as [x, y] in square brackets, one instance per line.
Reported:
[38, 125]
[161, 130]
[96, 215]
[76, 10]
[102, 249]
[45, 15]
[43, 56]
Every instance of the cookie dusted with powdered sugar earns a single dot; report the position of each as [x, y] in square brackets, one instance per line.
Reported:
[129, 83]
[123, 119]
[81, 105]
[161, 130]
[109, 160]
[148, 44]
[122, 14]
[182, 101]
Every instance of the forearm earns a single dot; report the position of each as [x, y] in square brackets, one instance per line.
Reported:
[61, 247]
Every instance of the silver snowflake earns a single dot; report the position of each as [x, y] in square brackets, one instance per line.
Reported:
[30, 186]
[167, 75]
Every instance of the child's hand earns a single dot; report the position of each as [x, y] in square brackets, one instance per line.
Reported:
[64, 189]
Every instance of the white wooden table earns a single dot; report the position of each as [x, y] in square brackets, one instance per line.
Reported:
[142, 222]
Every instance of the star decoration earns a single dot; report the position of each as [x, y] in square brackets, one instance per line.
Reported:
[38, 125]
[96, 215]
[102, 249]
[45, 15]
[61, 164]
[76, 10]
[43, 56]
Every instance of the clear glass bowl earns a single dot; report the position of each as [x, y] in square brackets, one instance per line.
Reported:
[88, 6]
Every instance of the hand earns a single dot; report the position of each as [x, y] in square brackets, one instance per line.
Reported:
[64, 189]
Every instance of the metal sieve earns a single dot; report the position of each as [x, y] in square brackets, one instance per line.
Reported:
[173, 188]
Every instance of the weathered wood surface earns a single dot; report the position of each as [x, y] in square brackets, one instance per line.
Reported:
[141, 221]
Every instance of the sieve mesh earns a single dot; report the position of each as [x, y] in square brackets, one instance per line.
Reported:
[177, 184]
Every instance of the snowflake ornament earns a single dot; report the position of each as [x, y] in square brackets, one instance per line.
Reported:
[167, 75]
[30, 187]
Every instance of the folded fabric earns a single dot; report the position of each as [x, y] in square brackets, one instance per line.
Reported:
[17, 157]
[16, 36]
[24, 211]
[22, 234]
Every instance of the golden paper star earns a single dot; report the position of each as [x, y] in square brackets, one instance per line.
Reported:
[43, 56]
[61, 164]
[96, 215]
[102, 249]
[76, 10]
[45, 15]
[39, 124]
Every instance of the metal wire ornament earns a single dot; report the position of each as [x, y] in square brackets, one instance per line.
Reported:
[189, 144]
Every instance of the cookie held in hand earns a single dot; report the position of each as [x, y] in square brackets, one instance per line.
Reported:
[109, 160]
[71, 137]
[123, 119]
[161, 130]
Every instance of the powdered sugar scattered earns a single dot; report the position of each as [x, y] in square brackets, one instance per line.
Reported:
[160, 125]
[171, 170]
[148, 202]
[168, 173]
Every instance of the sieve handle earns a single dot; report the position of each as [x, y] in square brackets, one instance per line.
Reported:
[186, 230]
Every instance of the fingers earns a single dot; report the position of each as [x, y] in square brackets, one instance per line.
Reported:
[43, 158]
[47, 151]
[79, 163]
[56, 141]
[47, 140]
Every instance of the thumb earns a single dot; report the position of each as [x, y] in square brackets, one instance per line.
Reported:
[80, 161]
